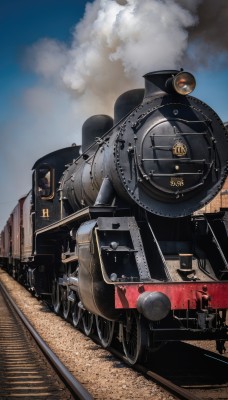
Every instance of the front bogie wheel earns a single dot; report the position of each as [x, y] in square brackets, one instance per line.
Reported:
[134, 337]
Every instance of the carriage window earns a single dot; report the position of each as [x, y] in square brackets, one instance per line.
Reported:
[44, 182]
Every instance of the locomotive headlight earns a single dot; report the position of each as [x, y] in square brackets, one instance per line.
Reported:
[184, 83]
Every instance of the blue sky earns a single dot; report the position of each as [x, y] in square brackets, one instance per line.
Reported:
[28, 128]
[23, 22]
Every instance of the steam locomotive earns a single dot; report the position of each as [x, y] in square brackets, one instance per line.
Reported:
[113, 232]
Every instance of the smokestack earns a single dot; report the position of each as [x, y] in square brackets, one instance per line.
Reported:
[155, 82]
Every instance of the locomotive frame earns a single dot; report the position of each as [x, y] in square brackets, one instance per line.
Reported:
[113, 234]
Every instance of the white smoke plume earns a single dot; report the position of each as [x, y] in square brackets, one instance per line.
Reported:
[117, 42]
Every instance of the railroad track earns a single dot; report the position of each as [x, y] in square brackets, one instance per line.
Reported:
[28, 367]
[189, 372]
[207, 374]
[180, 370]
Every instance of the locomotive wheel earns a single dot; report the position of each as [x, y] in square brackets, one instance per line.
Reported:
[76, 313]
[65, 302]
[87, 321]
[105, 330]
[134, 337]
[56, 296]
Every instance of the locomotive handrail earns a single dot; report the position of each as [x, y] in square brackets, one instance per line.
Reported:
[69, 219]
[159, 249]
[145, 115]
[119, 249]
[171, 159]
[178, 174]
[140, 167]
[217, 243]
[182, 134]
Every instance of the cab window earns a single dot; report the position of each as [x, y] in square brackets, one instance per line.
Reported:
[45, 182]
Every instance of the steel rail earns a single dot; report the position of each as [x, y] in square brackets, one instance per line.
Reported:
[76, 388]
[172, 388]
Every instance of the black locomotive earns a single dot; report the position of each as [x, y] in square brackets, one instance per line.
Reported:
[117, 237]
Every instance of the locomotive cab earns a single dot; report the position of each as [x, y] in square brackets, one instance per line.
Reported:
[43, 211]
[48, 171]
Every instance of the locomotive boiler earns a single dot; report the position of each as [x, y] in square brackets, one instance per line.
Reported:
[168, 156]
[120, 240]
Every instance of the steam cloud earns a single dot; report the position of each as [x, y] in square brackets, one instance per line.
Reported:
[113, 46]
[117, 42]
